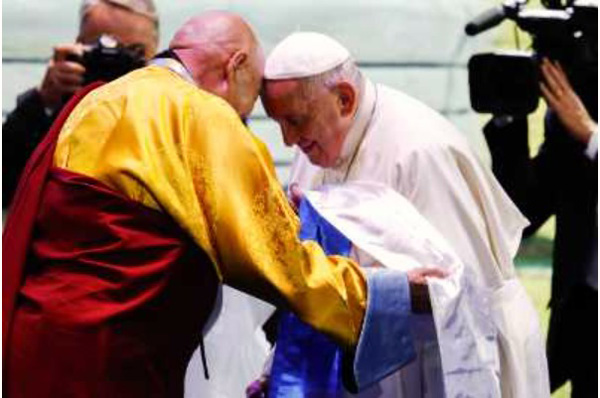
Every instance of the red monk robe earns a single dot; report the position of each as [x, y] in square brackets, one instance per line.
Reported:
[71, 322]
[119, 237]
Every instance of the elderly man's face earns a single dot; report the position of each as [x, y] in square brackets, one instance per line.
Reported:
[125, 26]
[312, 120]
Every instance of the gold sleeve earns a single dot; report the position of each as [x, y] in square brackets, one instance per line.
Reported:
[254, 233]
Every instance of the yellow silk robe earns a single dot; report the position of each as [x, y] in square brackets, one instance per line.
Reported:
[161, 141]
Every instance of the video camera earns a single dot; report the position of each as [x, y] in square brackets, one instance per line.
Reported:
[107, 59]
[508, 83]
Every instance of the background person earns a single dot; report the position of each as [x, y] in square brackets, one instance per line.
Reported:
[131, 22]
[561, 180]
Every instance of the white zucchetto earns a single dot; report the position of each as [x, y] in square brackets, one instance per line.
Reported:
[304, 54]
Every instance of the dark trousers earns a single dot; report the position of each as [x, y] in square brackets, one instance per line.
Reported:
[573, 343]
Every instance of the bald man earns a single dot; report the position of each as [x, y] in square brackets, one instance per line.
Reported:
[146, 195]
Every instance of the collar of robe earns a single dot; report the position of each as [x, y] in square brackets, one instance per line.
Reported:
[174, 66]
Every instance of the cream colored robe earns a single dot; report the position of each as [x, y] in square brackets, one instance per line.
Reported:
[399, 142]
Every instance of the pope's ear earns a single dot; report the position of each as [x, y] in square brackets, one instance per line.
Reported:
[347, 97]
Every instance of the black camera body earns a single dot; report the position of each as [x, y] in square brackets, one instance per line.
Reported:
[504, 83]
[107, 59]
[508, 83]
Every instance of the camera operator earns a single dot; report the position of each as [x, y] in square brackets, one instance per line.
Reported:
[561, 180]
[130, 22]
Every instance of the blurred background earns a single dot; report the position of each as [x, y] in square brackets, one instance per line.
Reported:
[418, 47]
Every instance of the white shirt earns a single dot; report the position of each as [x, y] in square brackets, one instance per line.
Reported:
[591, 150]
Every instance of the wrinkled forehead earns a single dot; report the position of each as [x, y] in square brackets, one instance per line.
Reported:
[283, 97]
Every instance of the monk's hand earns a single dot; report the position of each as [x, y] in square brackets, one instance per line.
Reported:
[295, 196]
[563, 100]
[419, 292]
[258, 388]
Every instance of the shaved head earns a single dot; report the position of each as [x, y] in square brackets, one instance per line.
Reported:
[221, 52]
[214, 29]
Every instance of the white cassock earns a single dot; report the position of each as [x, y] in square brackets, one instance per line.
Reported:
[399, 142]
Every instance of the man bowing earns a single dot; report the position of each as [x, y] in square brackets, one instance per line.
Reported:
[147, 193]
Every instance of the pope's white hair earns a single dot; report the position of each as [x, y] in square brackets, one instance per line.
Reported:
[347, 71]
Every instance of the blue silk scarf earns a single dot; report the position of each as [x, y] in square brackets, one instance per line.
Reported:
[307, 364]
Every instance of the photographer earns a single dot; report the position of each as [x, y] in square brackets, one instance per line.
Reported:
[561, 180]
[130, 22]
